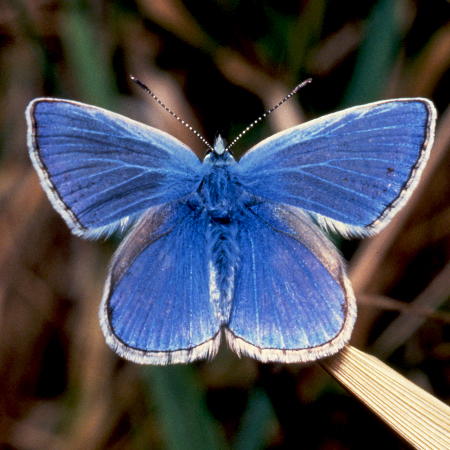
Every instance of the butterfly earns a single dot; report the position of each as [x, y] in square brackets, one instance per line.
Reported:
[224, 248]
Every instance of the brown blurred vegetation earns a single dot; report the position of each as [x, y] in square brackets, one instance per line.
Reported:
[219, 65]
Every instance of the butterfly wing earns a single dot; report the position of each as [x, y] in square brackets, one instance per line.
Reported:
[353, 170]
[292, 299]
[156, 305]
[99, 168]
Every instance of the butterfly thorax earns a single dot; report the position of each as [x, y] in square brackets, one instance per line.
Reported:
[218, 197]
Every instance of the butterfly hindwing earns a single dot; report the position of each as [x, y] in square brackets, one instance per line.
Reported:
[156, 305]
[352, 169]
[99, 168]
[292, 300]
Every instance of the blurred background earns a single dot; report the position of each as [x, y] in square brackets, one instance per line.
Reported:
[219, 64]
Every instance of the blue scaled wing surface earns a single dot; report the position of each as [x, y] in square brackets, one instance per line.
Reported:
[100, 169]
[352, 170]
[292, 299]
[156, 306]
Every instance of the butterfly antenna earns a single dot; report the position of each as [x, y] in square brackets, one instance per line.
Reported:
[146, 89]
[302, 84]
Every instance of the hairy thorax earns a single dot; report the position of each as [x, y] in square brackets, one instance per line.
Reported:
[218, 199]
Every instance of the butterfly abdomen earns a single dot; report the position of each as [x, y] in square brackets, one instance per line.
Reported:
[223, 255]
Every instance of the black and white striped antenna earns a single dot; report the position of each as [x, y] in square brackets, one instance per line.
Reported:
[143, 86]
[302, 84]
[146, 89]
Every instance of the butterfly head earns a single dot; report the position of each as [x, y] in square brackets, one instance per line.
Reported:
[219, 155]
[219, 146]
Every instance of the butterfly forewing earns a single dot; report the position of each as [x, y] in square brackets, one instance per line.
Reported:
[99, 168]
[353, 169]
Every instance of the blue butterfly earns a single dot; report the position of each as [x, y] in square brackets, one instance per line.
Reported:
[224, 247]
